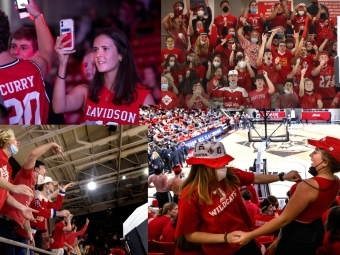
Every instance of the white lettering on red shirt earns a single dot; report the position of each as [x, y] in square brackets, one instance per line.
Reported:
[224, 203]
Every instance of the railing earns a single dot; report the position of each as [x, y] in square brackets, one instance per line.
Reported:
[11, 242]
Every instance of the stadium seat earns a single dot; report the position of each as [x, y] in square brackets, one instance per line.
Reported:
[168, 248]
[153, 253]
[153, 247]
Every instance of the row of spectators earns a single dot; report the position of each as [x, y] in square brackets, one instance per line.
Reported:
[284, 60]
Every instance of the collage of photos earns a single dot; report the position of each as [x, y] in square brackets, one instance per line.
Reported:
[169, 127]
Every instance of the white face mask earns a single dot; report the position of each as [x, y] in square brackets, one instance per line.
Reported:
[171, 63]
[200, 13]
[221, 173]
[169, 45]
[301, 13]
[268, 62]
[202, 42]
[216, 64]
[242, 64]
[180, 8]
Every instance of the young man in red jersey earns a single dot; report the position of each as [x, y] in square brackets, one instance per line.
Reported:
[21, 81]
[261, 97]
[307, 96]
[225, 21]
[58, 235]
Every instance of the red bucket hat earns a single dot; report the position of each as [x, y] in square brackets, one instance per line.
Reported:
[211, 154]
[330, 144]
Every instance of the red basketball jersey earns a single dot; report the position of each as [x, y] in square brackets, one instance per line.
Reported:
[23, 89]
[106, 113]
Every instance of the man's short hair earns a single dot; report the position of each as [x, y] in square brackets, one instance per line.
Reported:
[39, 163]
[224, 1]
[4, 31]
[28, 33]
[246, 195]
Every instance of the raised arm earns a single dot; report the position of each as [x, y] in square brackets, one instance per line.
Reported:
[270, 40]
[261, 51]
[269, 82]
[45, 41]
[302, 83]
[166, 19]
[190, 28]
[295, 69]
[75, 99]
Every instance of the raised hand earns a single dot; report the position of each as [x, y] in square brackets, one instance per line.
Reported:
[277, 60]
[22, 189]
[58, 48]
[303, 72]
[27, 213]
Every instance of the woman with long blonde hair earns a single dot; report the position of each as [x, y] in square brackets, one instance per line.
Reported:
[210, 204]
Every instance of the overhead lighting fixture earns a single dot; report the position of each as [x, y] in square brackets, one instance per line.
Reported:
[91, 185]
[124, 177]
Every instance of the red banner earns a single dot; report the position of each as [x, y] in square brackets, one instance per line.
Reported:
[274, 115]
[324, 116]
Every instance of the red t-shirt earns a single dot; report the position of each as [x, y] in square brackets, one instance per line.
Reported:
[244, 80]
[325, 198]
[169, 100]
[219, 22]
[106, 113]
[168, 233]
[322, 81]
[286, 68]
[234, 98]
[156, 226]
[226, 214]
[309, 101]
[58, 236]
[200, 70]
[328, 248]
[261, 219]
[255, 21]
[5, 173]
[279, 20]
[26, 177]
[260, 100]
[23, 90]
[298, 22]
[177, 52]
[180, 43]
[252, 209]
[198, 104]
[70, 237]
[254, 196]
[307, 62]
[225, 52]
[271, 72]
[214, 91]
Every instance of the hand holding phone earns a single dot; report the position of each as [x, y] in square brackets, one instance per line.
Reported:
[23, 13]
[67, 29]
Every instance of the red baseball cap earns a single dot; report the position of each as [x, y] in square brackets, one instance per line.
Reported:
[330, 144]
[177, 168]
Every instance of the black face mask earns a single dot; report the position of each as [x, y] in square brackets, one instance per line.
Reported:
[225, 9]
[323, 16]
[312, 170]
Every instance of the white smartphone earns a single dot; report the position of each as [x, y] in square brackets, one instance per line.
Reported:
[21, 9]
[67, 27]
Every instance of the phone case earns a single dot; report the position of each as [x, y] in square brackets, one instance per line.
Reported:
[67, 27]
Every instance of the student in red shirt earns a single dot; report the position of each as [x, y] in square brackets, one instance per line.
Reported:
[170, 49]
[261, 97]
[302, 228]
[58, 235]
[164, 216]
[70, 237]
[211, 206]
[331, 241]
[198, 99]
[225, 21]
[307, 96]
[267, 214]
[252, 208]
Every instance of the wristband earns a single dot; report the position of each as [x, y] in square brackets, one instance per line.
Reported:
[37, 16]
[281, 176]
[225, 237]
[61, 77]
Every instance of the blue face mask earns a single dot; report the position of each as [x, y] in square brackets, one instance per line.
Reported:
[253, 11]
[254, 40]
[280, 36]
[232, 33]
[14, 150]
[48, 192]
[232, 84]
[164, 86]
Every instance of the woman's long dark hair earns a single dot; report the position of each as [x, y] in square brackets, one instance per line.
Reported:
[124, 86]
[333, 224]
[185, 87]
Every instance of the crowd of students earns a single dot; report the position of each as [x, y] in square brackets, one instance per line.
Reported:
[283, 60]
[110, 91]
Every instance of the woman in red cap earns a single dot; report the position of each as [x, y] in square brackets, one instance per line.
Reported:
[210, 204]
[302, 228]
